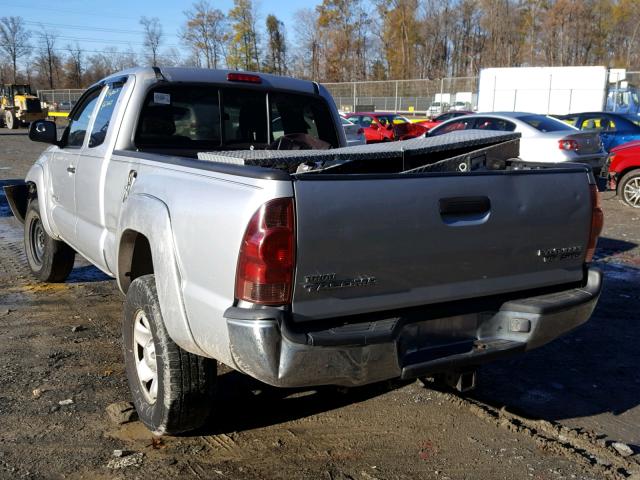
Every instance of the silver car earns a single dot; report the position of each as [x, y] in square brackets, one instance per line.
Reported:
[353, 132]
[544, 139]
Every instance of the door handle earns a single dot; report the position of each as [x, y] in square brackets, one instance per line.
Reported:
[464, 205]
[71, 169]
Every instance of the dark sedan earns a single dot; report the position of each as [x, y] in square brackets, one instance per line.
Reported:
[615, 128]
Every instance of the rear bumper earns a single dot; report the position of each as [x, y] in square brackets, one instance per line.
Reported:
[596, 161]
[356, 354]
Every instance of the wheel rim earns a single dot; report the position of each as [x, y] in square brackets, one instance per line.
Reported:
[632, 192]
[145, 356]
[37, 241]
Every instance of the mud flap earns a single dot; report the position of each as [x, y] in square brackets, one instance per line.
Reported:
[18, 198]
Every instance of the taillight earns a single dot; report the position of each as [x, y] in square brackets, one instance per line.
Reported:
[597, 222]
[243, 77]
[567, 144]
[267, 255]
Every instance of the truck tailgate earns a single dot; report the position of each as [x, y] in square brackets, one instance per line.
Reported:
[378, 242]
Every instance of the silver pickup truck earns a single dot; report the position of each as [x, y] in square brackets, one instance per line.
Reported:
[242, 230]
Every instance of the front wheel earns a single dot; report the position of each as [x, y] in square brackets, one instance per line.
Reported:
[49, 260]
[172, 389]
[629, 188]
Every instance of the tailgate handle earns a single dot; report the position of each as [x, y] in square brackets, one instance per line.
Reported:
[464, 205]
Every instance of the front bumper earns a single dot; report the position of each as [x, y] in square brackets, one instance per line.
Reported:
[402, 346]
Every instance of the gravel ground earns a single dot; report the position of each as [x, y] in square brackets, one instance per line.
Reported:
[549, 414]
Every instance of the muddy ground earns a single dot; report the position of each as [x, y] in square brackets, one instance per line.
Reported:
[550, 414]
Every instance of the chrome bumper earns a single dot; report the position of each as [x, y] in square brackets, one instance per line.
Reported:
[357, 354]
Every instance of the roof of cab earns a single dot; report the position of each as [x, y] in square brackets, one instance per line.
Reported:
[206, 75]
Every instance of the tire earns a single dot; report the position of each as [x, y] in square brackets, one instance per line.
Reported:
[10, 120]
[49, 260]
[178, 396]
[629, 188]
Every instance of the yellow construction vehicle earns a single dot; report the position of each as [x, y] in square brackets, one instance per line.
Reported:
[18, 106]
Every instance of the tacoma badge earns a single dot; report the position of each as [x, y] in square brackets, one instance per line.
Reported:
[328, 281]
[549, 255]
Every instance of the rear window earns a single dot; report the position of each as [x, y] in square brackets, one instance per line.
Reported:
[545, 124]
[203, 117]
[633, 119]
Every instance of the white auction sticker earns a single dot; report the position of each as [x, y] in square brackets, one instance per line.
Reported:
[161, 98]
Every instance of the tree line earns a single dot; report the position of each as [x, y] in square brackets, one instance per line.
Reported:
[346, 40]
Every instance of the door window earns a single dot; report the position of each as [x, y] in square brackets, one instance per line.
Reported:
[452, 126]
[78, 125]
[603, 124]
[103, 117]
[365, 121]
[487, 123]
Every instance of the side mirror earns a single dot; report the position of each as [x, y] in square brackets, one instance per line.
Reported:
[43, 131]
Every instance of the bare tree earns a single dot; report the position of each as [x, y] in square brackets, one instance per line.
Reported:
[152, 36]
[14, 41]
[308, 41]
[75, 66]
[47, 59]
[204, 32]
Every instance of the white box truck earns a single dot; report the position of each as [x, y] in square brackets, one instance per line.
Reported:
[556, 90]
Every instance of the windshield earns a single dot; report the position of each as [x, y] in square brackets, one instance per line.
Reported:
[21, 90]
[544, 123]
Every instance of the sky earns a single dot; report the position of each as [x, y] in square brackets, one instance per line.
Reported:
[96, 25]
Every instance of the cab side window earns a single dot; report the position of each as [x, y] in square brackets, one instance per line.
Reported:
[103, 117]
[80, 122]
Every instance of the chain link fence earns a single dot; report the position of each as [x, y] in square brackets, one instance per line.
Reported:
[413, 97]
[421, 97]
[60, 100]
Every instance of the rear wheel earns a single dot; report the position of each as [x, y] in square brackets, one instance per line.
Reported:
[49, 260]
[629, 188]
[172, 389]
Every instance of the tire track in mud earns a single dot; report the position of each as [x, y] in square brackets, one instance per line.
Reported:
[582, 446]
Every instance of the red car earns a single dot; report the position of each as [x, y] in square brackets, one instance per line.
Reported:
[623, 172]
[385, 127]
[438, 119]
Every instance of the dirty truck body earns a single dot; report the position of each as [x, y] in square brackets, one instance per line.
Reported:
[342, 273]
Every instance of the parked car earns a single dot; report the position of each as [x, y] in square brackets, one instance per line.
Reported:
[443, 117]
[460, 105]
[353, 132]
[385, 127]
[168, 181]
[614, 128]
[544, 139]
[437, 107]
[622, 172]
